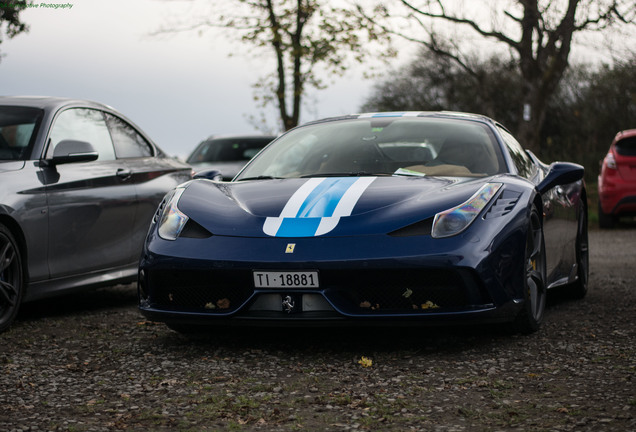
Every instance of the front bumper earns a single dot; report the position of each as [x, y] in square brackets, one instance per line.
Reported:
[374, 278]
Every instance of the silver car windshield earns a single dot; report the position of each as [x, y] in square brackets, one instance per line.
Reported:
[381, 146]
[228, 149]
[18, 126]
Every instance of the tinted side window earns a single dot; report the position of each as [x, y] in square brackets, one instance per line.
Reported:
[17, 131]
[228, 149]
[128, 142]
[83, 124]
[520, 158]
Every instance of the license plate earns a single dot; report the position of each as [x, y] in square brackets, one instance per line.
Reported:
[296, 279]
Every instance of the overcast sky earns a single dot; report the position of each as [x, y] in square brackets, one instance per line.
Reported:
[178, 88]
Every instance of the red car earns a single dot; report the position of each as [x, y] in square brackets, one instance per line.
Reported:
[617, 182]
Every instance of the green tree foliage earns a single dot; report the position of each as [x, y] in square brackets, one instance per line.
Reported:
[10, 23]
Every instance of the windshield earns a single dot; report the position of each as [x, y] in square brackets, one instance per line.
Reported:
[228, 149]
[17, 131]
[381, 146]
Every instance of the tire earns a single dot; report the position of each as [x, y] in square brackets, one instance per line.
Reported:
[11, 278]
[578, 289]
[605, 220]
[534, 290]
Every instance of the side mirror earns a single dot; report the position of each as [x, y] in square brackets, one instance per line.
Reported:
[68, 151]
[212, 174]
[561, 173]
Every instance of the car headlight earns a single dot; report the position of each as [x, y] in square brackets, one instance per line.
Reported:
[455, 220]
[172, 219]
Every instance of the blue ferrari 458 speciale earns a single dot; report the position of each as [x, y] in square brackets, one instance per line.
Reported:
[393, 218]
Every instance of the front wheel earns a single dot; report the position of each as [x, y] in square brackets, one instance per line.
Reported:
[11, 282]
[529, 319]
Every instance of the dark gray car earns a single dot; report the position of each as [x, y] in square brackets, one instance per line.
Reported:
[79, 184]
[227, 154]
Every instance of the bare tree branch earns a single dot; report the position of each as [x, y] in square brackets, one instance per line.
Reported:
[307, 39]
[538, 32]
[462, 21]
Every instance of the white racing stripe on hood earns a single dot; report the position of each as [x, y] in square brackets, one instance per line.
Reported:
[317, 206]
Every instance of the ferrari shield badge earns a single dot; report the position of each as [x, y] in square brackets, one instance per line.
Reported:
[290, 247]
[288, 304]
[317, 206]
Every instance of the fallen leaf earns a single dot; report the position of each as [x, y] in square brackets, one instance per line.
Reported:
[365, 362]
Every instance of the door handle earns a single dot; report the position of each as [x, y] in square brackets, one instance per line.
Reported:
[123, 173]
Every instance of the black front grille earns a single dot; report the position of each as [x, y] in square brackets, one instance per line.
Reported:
[352, 291]
[220, 291]
[402, 291]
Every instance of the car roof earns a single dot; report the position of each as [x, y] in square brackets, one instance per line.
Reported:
[52, 104]
[436, 114]
[239, 136]
[48, 102]
[625, 134]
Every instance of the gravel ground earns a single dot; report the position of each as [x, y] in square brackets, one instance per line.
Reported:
[92, 363]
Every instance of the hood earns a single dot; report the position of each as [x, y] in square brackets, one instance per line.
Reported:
[310, 207]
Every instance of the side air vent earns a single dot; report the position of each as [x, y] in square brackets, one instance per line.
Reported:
[417, 229]
[159, 212]
[504, 204]
[194, 230]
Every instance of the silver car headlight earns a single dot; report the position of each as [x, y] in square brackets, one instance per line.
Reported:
[455, 220]
[172, 219]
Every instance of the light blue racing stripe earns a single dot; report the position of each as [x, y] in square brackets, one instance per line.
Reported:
[389, 114]
[298, 227]
[322, 201]
[317, 206]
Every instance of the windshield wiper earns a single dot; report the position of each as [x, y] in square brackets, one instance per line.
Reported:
[261, 177]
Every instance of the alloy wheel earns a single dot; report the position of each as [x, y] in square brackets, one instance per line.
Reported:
[535, 263]
[10, 279]
[530, 317]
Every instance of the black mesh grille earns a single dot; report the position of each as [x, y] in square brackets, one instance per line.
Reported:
[355, 292]
[212, 291]
[403, 290]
